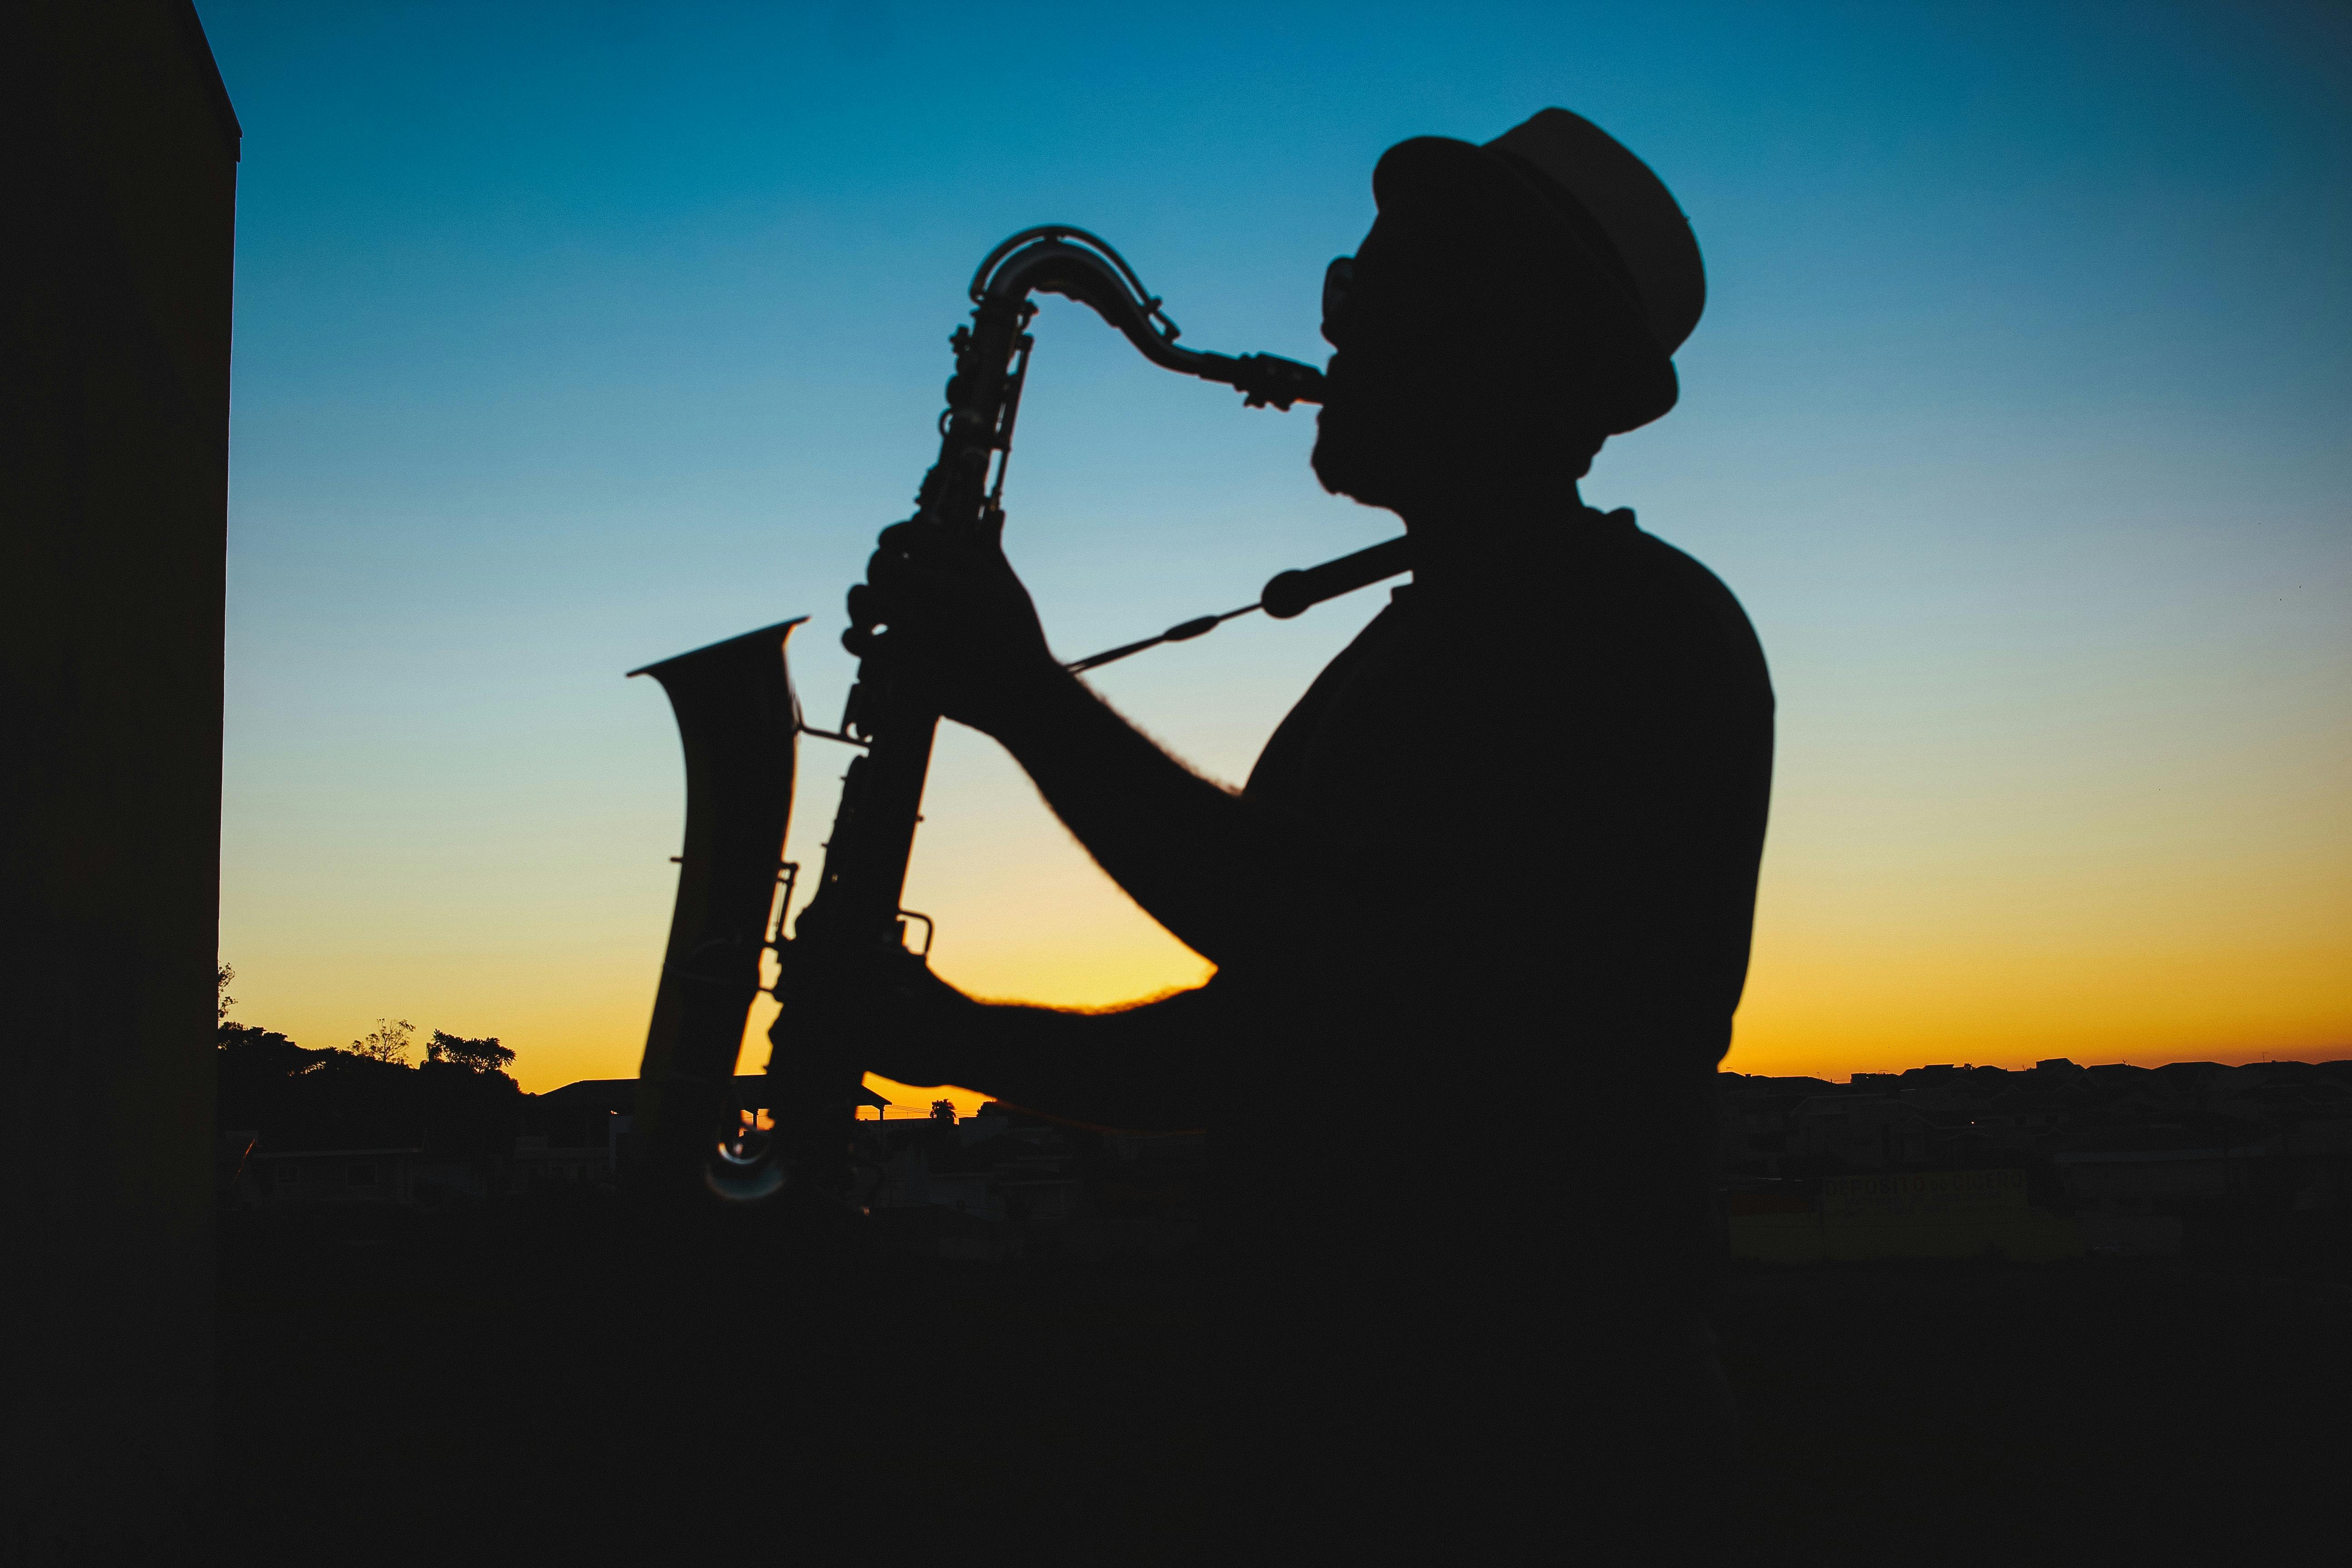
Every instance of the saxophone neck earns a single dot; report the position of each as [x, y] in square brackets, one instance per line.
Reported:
[1266, 381]
[1057, 259]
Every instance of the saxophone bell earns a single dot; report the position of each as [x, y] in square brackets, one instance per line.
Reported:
[738, 722]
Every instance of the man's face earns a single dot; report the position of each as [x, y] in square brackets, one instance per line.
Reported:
[1423, 380]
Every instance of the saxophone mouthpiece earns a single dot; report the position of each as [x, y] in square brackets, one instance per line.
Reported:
[1267, 380]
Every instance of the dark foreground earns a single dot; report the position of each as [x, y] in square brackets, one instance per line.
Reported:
[541, 1388]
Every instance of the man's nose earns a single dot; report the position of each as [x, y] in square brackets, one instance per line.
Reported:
[1338, 277]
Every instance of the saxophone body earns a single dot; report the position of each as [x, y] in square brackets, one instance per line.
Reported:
[739, 725]
[691, 1135]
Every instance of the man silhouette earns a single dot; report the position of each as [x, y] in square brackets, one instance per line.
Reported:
[1461, 1109]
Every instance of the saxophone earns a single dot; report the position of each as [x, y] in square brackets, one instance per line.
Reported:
[694, 1133]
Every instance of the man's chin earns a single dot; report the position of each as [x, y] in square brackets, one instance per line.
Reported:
[1343, 467]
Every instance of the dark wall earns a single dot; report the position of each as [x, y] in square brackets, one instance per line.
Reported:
[121, 152]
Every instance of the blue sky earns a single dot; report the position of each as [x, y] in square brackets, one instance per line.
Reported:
[571, 337]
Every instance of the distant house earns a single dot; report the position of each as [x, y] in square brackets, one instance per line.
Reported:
[2026, 1113]
[539, 1166]
[984, 1168]
[2142, 1176]
[1004, 1184]
[580, 1132]
[1925, 1214]
[1757, 1117]
[1873, 1132]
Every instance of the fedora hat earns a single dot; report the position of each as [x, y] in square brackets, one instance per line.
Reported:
[1566, 190]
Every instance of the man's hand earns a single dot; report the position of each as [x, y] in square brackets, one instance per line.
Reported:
[891, 1014]
[945, 613]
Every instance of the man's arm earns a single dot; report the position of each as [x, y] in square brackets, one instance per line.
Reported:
[1222, 873]
[1144, 1067]
[1214, 870]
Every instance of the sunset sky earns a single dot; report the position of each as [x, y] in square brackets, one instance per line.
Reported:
[571, 337]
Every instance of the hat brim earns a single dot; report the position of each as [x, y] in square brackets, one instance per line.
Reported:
[1439, 180]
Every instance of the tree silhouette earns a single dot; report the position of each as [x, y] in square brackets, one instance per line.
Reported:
[943, 1111]
[222, 1000]
[387, 1042]
[481, 1056]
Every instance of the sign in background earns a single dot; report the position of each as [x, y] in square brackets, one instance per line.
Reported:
[1924, 1196]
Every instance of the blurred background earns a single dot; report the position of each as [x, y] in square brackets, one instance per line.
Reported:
[571, 337]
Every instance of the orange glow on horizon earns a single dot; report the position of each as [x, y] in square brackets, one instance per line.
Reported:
[2108, 909]
[1826, 997]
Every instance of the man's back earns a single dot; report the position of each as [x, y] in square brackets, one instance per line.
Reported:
[1543, 781]
[1466, 1164]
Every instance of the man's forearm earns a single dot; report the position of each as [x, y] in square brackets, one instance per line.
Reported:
[1181, 846]
[1140, 1067]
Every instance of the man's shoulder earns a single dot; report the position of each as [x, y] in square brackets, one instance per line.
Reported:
[1679, 573]
[1615, 544]
[1599, 591]
[1609, 565]
[1613, 601]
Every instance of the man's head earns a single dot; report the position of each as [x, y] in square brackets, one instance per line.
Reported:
[1513, 307]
